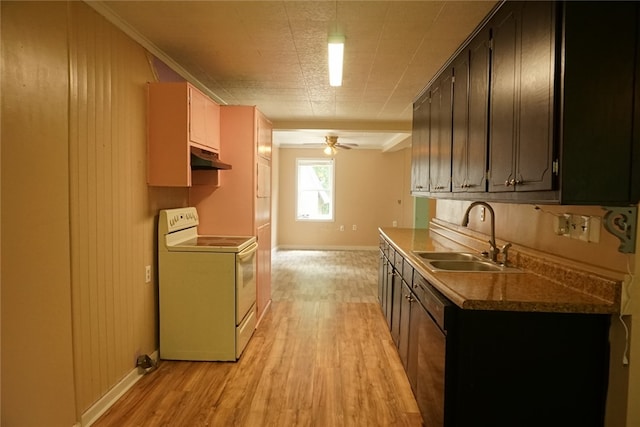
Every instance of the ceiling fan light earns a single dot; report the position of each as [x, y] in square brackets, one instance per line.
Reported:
[336, 53]
[329, 151]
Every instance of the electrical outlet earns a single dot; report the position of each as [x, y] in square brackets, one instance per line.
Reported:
[342, 228]
[395, 223]
[482, 213]
[354, 227]
[562, 225]
[147, 274]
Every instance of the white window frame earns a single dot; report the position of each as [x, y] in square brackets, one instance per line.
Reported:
[330, 217]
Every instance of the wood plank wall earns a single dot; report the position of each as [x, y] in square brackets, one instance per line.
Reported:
[113, 226]
[37, 365]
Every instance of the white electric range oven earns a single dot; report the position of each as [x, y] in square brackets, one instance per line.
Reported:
[207, 290]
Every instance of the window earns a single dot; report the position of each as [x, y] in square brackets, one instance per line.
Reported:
[314, 185]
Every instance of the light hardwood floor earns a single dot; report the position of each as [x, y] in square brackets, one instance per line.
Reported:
[322, 356]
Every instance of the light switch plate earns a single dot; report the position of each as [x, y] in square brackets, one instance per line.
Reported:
[580, 226]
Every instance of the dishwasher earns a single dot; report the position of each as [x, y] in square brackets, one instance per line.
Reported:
[430, 341]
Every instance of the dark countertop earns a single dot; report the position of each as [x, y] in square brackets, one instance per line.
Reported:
[520, 291]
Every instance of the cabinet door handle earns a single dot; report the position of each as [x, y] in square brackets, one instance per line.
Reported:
[507, 183]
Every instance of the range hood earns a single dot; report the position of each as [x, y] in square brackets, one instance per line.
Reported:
[206, 160]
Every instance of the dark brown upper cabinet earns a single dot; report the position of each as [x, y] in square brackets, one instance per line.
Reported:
[420, 144]
[556, 119]
[521, 97]
[440, 133]
[470, 116]
[599, 82]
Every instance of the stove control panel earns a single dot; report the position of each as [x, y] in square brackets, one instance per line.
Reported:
[177, 219]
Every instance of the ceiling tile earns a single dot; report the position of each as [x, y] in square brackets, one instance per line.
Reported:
[273, 54]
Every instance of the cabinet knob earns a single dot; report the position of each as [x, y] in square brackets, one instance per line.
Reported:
[507, 183]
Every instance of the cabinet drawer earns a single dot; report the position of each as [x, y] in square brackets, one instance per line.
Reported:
[397, 262]
[407, 272]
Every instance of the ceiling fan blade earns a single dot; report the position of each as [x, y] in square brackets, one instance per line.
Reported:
[346, 145]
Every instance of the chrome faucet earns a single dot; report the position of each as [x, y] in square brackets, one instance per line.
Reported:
[493, 251]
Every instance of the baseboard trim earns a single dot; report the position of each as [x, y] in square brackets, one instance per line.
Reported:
[92, 414]
[325, 248]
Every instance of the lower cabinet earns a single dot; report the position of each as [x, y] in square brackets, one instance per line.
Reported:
[527, 369]
[475, 368]
[385, 275]
[396, 303]
[426, 365]
[405, 319]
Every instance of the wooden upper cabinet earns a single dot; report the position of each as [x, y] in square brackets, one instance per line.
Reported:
[470, 116]
[204, 121]
[559, 120]
[477, 144]
[460, 137]
[420, 144]
[440, 133]
[600, 139]
[179, 118]
[522, 97]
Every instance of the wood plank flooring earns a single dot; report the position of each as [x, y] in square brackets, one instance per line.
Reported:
[322, 356]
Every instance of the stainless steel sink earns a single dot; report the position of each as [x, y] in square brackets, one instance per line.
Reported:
[447, 256]
[461, 262]
[475, 265]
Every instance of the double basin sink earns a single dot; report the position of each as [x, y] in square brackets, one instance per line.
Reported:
[461, 262]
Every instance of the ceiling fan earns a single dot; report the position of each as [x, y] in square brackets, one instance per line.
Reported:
[332, 144]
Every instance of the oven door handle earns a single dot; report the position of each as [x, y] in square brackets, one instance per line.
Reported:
[248, 251]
